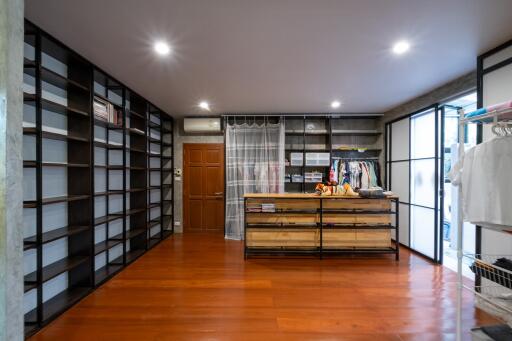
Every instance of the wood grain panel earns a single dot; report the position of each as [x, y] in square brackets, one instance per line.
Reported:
[197, 286]
[283, 238]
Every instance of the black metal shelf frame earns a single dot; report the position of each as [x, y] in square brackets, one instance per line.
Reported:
[83, 278]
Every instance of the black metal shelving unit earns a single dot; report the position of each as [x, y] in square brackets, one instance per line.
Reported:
[167, 177]
[325, 134]
[84, 214]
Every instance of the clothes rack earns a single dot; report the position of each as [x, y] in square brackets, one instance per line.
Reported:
[500, 121]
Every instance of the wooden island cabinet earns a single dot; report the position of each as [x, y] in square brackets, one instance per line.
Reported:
[292, 223]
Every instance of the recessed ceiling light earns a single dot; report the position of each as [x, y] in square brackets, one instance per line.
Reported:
[204, 105]
[335, 104]
[401, 47]
[162, 48]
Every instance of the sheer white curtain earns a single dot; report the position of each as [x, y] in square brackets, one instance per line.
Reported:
[254, 164]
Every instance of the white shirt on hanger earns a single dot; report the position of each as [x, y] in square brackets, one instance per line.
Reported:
[485, 172]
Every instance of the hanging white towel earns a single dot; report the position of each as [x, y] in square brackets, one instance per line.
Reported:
[485, 172]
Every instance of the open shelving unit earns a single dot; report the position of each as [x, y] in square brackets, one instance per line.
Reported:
[109, 189]
[347, 136]
[90, 205]
[167, 175]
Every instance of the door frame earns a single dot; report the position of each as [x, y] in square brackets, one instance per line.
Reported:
[439, 160]
[223, 148]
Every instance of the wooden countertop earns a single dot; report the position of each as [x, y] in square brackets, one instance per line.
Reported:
[306, 196]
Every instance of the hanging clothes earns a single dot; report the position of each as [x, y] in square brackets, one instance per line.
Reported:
[359, 174]
[484, 172]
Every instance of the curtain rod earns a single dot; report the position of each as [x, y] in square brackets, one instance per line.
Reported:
[336, 115]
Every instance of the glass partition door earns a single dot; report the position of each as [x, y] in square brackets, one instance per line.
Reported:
[413, 173]
[424, 179]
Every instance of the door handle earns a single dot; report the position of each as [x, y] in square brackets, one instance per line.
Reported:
[218, 193]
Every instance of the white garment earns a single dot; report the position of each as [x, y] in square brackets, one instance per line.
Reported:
[485, 172]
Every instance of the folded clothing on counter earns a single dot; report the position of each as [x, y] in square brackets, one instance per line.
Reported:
[372, 192]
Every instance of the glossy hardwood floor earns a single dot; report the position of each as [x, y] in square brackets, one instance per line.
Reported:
[198, 287]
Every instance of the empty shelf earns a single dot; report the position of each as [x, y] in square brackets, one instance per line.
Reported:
[52, 235]
[104, 273]
[107, 218]
[134, 232]
[135, 211]
[105, 245]
[64, 198]
[53, 270]
[133, 255]
[53, 106]
[362, 132]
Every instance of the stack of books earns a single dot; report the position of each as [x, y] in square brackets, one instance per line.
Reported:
[269, 208]
[253, 207]
[107, 112]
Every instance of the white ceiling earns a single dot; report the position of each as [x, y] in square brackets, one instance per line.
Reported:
[279, 56]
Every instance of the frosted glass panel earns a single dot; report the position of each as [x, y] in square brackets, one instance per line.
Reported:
[404, 224]
[423, 180]
[400, 180]
[400, 140]
[423, 135]
[423, 230]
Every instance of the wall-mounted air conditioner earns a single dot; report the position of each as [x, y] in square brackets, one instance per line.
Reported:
[202, 125]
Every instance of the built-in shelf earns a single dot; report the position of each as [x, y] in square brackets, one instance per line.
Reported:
[59, 303]
[134, 211]
[136, 131]
[55, 107]
[133, 255]
[108, 193]
[108, 218]
[132, 233]
[322, 133]
[90, 145]
[103, 144]
[362, 132]
[100, 96]
[53, 270]
[105, 245]
[59, 233]
[31, 164]
[107, 271]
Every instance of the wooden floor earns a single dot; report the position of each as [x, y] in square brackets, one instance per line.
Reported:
[198, 287]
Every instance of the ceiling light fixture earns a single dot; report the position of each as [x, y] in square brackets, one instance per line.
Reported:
[204, 105]
[335, 104]
[401, 47]
[162, 48]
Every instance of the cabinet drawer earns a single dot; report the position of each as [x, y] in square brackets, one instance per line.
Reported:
[339, 218]
[338, 238]
[271, 218]
[278, 238]
[357, 204]
[373, 238]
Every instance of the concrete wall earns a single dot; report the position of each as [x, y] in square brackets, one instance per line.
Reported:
[180, 137]
[11, 229]
[456, 87]
[452, 89]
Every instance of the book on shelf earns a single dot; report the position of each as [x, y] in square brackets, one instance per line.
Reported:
[107, 112]
[100, 107]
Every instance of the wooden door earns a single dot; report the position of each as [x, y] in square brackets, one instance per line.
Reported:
[203, 187]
